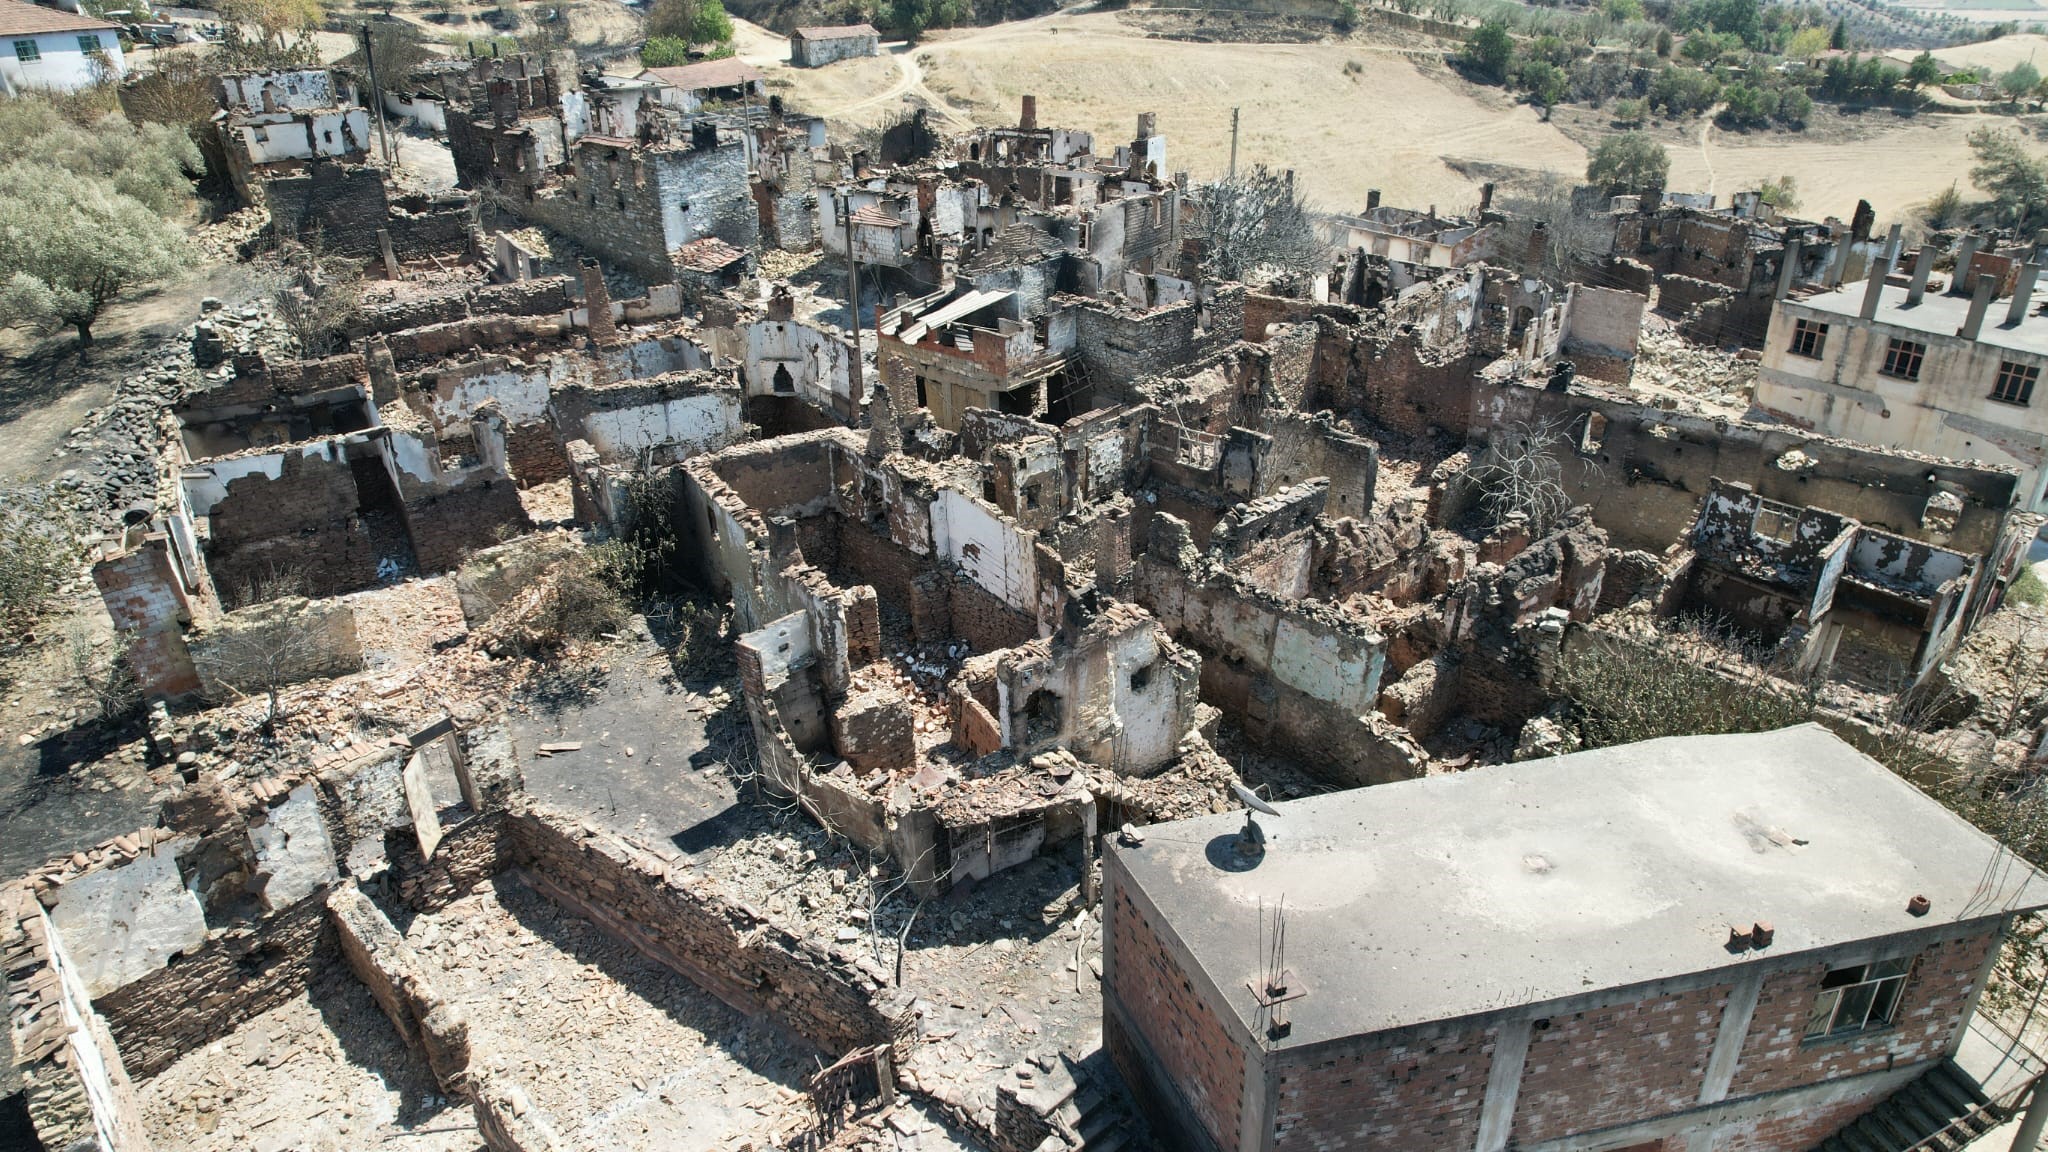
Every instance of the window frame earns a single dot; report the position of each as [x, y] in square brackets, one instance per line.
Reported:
[27, 51]
[1809, 338]
[1895, 355]
[89, 43]
[1867, 995]
[2011, 372]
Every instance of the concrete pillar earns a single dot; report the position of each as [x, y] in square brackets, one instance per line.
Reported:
[2022, 294]
[1980, 302]
[1873, 290]
[1503, 1086]
[1964, 255]
[1891, 247]
[2028, 1137]
[1028, 120]
[1922, 265]
[1788, 269]
[383, 369]
[885, 433]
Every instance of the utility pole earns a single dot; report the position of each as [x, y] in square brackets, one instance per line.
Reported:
[377, 98]
[1233, 143]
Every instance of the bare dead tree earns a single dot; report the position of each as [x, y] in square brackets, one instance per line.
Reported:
[1569, 237]
[1259, 220]
[266, 647]
[315, 295]
[1522, 474]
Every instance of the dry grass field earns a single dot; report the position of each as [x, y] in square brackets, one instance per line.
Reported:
[1349, 115]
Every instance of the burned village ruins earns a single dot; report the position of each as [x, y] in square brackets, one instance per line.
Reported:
[746, 639]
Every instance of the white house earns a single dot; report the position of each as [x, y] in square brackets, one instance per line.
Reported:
[51, 48]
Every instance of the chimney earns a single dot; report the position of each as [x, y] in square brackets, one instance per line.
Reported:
[1029, 120]
[1964, 255]
[1980, 302]
[2022, 294]
[1922, 265]
[1873, 290]
[1485, 197]
[1148, 125]
[1372, 199]
[1788, 270]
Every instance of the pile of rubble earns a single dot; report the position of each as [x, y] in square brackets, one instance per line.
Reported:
[1692, 377]
[222, 241]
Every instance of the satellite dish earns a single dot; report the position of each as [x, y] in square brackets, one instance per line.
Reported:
[1252, 800]
[1251, 841]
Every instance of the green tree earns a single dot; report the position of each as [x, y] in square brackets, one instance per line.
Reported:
[1629, 162]
[1924, 70]
[1546, 84]
[712, 25]
[2020, 81]
[153, 163]
[1490, 50]
[71, 244]
[1944, 209]
[1807, 43]
[1622, 11]
[2016, 181]
[1794, 106]
[1839, 38]
[1782, 193]
[1747, 107]
[664, 52]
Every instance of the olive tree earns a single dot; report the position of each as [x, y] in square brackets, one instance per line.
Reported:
[70, 245]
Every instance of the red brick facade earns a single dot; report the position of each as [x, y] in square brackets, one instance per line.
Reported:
[1775, 1056]
[1617, 1064]
[1421, 1095]
[1189, 1043]
[1601, 1069]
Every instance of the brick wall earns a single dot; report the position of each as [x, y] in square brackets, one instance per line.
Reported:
[1774, 1055]
[983, 620]
[303, 521]
[448, 524]
[1189, 1044]
[1421, 1094]
[147, 603]
[836, 998]
[1617, 1064]
[534, 455]
[1676, 295]
[1803, 1129]
[206, 994]
[336, 207]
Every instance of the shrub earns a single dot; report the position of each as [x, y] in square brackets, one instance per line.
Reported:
[664, 52]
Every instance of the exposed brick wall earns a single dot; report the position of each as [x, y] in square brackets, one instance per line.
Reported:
[231, 979]
[147, 604]
[1617, 1064]
[333, 206]
[448, 524]
[303, 521]
[1931, 1009]
[1803, 1129]
[837, 999]
[1184, 1037]
[1423, 1094]
[534, 455]
[984, 621]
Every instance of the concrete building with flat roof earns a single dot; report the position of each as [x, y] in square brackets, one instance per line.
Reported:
[1703, 944]
[1953, 374]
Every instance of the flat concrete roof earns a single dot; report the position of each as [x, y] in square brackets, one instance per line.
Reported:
[1939, 315]
[1525, 883]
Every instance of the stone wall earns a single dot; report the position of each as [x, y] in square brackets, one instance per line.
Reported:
[235, 976]
[449, 522]
[302, 521]
[337, 208]
[835, 998]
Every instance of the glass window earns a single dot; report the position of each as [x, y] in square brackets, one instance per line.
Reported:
[2015, 383]
[1808, 338]
[1858, 997]
[1902, 359]
[88, 44]
[26, 50]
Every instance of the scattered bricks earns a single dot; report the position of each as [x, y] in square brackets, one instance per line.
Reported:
[874, 731]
